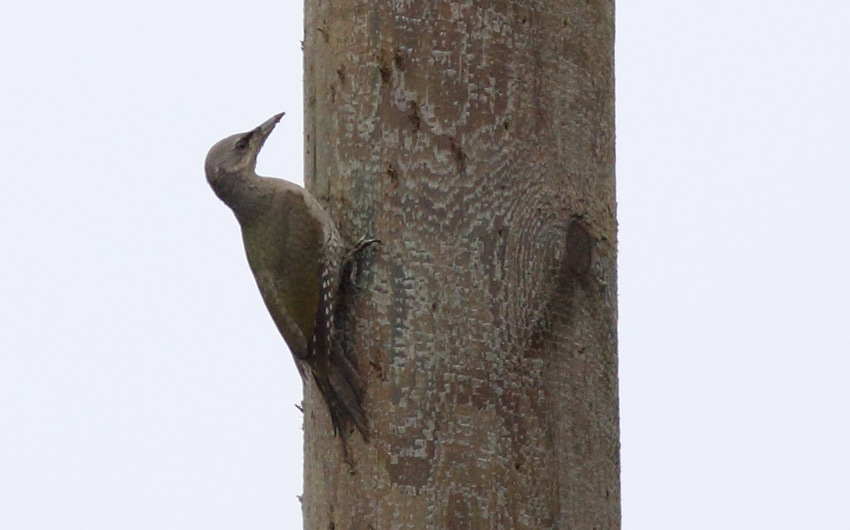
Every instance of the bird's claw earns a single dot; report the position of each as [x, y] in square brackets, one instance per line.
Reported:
[362, 243]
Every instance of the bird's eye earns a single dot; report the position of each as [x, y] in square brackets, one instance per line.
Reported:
[243, 142]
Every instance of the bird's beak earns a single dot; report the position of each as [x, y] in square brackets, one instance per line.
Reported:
[267, 127]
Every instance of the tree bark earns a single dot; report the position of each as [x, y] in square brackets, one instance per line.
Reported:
[476, 140]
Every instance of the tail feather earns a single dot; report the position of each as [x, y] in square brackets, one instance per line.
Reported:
[344, 406]
[337, 378]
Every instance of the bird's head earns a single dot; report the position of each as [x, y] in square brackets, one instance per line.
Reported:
[236, 155]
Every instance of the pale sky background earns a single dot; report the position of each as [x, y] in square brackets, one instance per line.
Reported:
[143, 386]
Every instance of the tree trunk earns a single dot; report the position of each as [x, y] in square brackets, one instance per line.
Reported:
[476, 140]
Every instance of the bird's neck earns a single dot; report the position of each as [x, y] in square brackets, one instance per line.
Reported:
[245, 193]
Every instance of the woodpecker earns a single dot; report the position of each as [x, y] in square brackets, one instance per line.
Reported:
[300, 264]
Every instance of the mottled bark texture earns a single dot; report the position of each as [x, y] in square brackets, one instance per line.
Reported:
[476, 140]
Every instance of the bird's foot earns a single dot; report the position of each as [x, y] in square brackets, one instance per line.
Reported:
[363, 243]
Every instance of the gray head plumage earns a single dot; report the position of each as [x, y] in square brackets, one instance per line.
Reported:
[235, 157]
